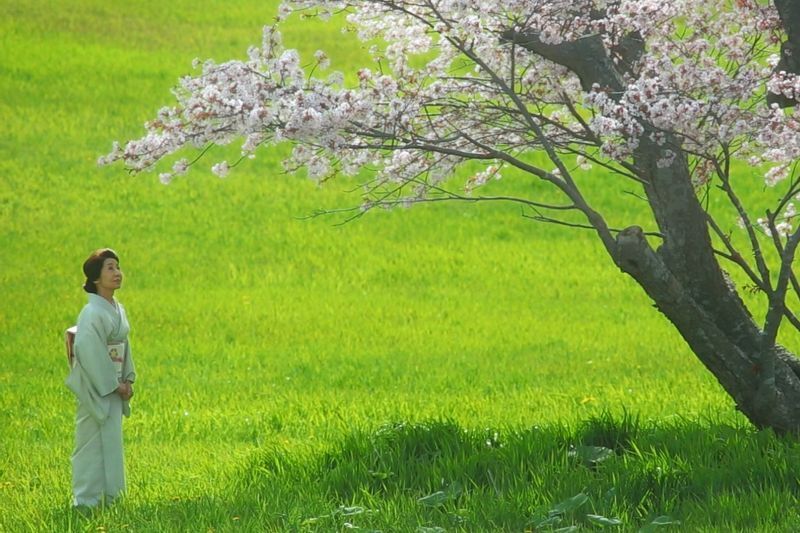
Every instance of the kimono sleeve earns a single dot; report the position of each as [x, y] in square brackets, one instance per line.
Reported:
[128, 368]
[91, 350]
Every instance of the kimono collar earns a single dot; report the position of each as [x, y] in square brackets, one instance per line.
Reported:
[99, 300]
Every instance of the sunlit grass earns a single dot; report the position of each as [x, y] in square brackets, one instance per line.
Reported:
[262, 337]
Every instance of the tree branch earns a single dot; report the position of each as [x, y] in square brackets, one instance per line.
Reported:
[586, 57]
[736, 257]
[724, 176]
[571, 190]
[541, 218]
[449, 197]
[777, 306]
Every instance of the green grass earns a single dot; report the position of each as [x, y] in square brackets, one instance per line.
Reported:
[282, 359]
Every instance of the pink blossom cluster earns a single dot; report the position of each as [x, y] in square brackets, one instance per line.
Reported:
[698, 86]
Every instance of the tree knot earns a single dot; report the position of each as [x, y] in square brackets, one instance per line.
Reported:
[631, 245]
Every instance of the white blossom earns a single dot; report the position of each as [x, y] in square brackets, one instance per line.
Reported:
[221, 169]
[427, 106]
[323, 61]
[776, 174]
[180, 167]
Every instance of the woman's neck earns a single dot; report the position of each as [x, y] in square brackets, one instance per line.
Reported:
[108, 295]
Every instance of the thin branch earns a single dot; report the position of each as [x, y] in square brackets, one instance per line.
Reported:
[724, 176]
[637, 196]
[541, 218]
[450, 197]
[571, 189]
[793, 320]
[607, 165]
[734, 255]
[777, 306]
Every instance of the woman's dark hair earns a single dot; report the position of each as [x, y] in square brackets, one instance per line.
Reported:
[93, 265]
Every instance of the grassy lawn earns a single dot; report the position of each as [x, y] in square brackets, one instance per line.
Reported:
[451, 366]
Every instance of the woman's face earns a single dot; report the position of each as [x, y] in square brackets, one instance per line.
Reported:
[110, 276]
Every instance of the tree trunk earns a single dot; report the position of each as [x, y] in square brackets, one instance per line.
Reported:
[683, 277]
[729, 351]
[688, 286]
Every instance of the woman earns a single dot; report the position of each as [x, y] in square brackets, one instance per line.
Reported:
[101, 378]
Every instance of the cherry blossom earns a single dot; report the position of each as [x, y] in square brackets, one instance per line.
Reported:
[697, 87]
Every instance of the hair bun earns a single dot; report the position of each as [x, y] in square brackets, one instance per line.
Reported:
[94, 264]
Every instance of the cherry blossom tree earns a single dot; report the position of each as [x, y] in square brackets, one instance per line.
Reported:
[681, 99]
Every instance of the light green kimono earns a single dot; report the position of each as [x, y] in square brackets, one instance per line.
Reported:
[98, 465]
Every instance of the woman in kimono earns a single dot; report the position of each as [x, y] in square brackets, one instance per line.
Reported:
[101, 378]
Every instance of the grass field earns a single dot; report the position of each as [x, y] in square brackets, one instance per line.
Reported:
[446, 367]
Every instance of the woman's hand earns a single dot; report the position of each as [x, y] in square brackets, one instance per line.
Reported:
[125, 390]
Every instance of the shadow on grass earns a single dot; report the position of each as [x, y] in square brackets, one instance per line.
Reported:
[434, 476]
[204, 513]
[608, 471]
